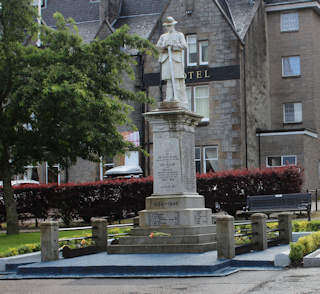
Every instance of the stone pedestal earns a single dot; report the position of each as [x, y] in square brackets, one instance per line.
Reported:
[99, 233]
[175, 201]
[49, 236]
[175, 207]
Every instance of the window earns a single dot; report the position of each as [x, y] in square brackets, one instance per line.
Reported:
[198, 159]
[197, 51]
[289, 22]
[210, 159]
[192, 52]
[276, 161]
[291, 66]
[53, 174]
[31, 173]
[198, 98]
[292, 112]
[206, 159]
[203, 49]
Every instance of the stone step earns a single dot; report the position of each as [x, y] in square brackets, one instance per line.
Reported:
[162, 248]
[174, 231]
[186, 239]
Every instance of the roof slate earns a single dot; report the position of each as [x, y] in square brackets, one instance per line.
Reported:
[79, 10]
[141, 7]
[84, 12]
[140, 25]
[88, 30]
[242, 14]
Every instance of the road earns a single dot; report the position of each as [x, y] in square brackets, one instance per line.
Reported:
[292, 281]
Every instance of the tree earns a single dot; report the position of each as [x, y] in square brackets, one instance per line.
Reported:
[63, 100]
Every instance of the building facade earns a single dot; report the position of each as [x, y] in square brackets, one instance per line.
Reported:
[251, 71]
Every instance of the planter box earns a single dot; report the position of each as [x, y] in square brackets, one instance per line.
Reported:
[69, 253]
[312, 259]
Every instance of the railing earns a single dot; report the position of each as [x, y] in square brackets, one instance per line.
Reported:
[90, 228]
[273, 237]
[260, 233]
[243, 237]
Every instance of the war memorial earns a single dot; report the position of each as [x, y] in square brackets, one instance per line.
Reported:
[175, 208]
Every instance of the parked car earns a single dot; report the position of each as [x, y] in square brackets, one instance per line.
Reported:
[22, 182]
[124, 171]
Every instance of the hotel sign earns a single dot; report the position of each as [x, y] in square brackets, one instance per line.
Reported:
[199, 74]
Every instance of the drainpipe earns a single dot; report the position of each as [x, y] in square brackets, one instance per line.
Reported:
[245, 104]
[259, 146]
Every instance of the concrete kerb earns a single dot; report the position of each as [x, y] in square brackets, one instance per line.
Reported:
[312, 259]
[19, 260]
[148, 265]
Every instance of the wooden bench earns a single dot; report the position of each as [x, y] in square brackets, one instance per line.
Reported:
[278, 203]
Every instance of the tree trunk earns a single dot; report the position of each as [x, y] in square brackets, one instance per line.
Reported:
[10, 205]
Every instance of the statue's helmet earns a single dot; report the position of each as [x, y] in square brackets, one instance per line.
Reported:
[169, 21]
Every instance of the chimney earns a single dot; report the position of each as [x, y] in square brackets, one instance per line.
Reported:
[103, 9]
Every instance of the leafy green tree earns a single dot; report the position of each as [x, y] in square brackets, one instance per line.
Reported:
[63, 100]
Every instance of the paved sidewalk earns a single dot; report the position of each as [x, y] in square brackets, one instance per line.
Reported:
[292, 281]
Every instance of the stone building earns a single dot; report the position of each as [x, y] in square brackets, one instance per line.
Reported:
[251, 72]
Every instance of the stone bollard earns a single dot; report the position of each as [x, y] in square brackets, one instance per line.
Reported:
[136, 221]
[100, 233]
[225, 236]
[259, 230]
[285, 227]
[49, 235]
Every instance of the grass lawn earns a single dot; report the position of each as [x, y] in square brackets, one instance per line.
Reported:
[13, 241]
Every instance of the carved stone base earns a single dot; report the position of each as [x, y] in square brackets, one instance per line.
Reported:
[175, 207]
[180, 239]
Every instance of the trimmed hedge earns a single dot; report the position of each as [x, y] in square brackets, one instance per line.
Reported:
[114, 198]
[304, 246]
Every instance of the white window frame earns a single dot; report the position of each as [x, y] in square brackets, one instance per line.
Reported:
[284, 113]
[188, 61]
[197, 159]
[291, 75]
[200, 52]
[204, 156]
[194, 100]
[284, 28]
[280, 156]
[47, 173]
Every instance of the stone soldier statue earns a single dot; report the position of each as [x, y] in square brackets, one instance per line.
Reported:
[171, 46]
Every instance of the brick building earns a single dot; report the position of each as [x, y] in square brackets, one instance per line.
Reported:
[251, 72]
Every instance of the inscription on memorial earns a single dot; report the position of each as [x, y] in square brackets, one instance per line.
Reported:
[161, 219]
[167, 168]
[164, 204]
[201, 218]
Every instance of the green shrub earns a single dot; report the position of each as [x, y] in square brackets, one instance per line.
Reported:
[304, 246]
[296, 253]
[306, 226]
[23, 249]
